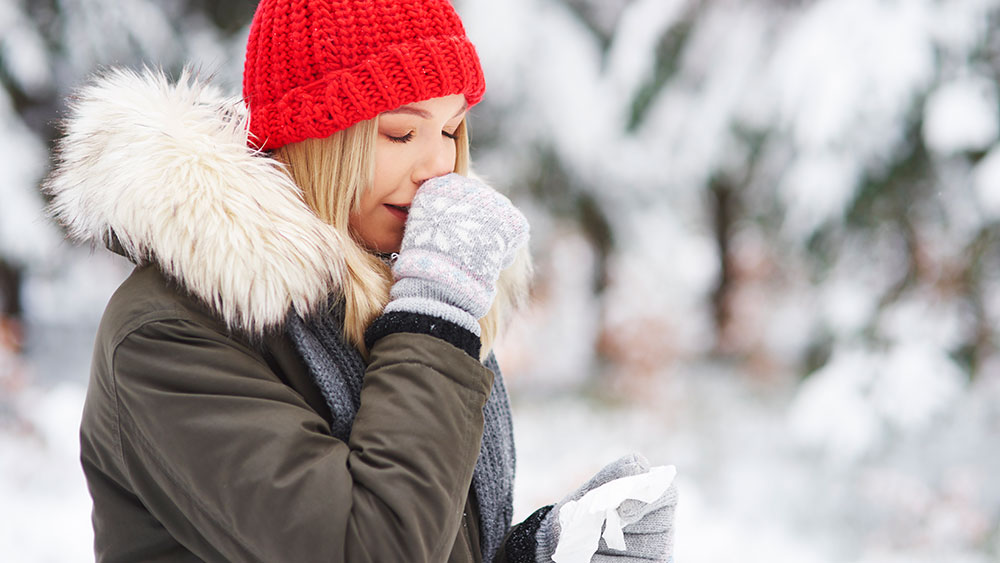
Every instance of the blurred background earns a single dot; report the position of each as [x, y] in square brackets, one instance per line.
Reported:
[766, 240]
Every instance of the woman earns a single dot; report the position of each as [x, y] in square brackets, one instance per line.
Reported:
[289, 374]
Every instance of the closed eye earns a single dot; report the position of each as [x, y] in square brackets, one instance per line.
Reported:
[404, 139]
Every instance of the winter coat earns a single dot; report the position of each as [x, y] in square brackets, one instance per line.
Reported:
[203, 435]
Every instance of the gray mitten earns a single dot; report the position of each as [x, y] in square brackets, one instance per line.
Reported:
[649, 536]
[459, 235]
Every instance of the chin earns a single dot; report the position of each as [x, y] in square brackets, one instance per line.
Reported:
[386, 247]
[387, 243]
[393, 245]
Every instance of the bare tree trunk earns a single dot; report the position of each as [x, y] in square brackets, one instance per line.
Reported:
[723, 204]
[10, 290]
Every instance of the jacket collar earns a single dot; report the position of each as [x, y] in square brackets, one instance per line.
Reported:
[163, 171]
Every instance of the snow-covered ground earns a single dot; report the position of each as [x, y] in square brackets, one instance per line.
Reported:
[46, 508]
[749, 492]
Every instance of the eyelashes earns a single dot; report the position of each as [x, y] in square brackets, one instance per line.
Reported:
[409, 137]
[404, 139]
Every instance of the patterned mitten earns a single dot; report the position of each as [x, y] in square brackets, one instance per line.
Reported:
[649, 533]
[459, 235]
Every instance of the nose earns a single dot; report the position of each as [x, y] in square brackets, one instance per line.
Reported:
[438, 159]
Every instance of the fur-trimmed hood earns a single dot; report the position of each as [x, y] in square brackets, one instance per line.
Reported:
[164, 170]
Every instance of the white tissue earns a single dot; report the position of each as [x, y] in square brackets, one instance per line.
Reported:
[581, 520]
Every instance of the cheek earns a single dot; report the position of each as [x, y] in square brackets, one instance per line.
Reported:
[388, 159]
[383, 181]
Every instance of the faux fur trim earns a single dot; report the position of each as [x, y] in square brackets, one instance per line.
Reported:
[165, 169]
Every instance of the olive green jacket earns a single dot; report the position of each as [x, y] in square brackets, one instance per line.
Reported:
[203, 435]
[198, 445]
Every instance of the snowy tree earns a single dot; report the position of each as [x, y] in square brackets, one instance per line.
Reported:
[47, 49]
[798, 170]
[768, 183]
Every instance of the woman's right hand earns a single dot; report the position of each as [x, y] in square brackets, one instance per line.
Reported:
[459, 235]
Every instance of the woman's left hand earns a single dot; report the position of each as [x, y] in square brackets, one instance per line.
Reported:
[650, 529]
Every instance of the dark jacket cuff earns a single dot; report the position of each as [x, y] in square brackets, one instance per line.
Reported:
[404, 321]
[520, 545]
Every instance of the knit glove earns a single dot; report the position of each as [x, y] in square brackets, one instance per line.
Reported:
[650, 526]
[459, 235]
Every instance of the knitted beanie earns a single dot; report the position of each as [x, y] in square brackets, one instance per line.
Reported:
[314, 67]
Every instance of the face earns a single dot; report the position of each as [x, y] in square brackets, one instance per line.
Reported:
[415, 142]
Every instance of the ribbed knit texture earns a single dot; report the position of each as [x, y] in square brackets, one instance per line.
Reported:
[338, 370]
[336, 367]
[521, 545]
[649, 529]
[404, 321]
[493, 479]
[314, 67]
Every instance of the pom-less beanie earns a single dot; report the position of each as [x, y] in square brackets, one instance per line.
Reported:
[314, 67]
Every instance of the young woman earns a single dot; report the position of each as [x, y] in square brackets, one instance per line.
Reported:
[299, 367]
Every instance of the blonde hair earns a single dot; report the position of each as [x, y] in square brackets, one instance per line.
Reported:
[333, 173]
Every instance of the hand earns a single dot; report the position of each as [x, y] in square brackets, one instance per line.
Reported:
[648, 537]
[459, 235]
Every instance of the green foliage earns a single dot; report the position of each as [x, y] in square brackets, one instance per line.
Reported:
[230, 16]
[668, 53]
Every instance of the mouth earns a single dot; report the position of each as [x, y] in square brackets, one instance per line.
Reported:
[400, 211]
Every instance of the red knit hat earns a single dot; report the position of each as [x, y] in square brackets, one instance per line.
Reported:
[314, 67]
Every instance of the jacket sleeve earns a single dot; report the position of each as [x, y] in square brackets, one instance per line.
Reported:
[237, 467]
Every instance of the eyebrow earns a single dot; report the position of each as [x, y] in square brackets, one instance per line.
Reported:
[424, 113]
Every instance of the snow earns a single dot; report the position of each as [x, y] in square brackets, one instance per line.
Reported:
[832, 411]
[847, 304]
[962, 116]
[817, 188]
[142, 32]
[76, 292]
[631, 56]
[986, 184]
[842, 115]
[862, 397]
[567, 322]
[23, 50]
[917, 384]
[26, 234]
[46, 516]
[824, 94]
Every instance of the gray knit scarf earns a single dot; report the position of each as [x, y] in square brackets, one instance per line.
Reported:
[338, 369]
